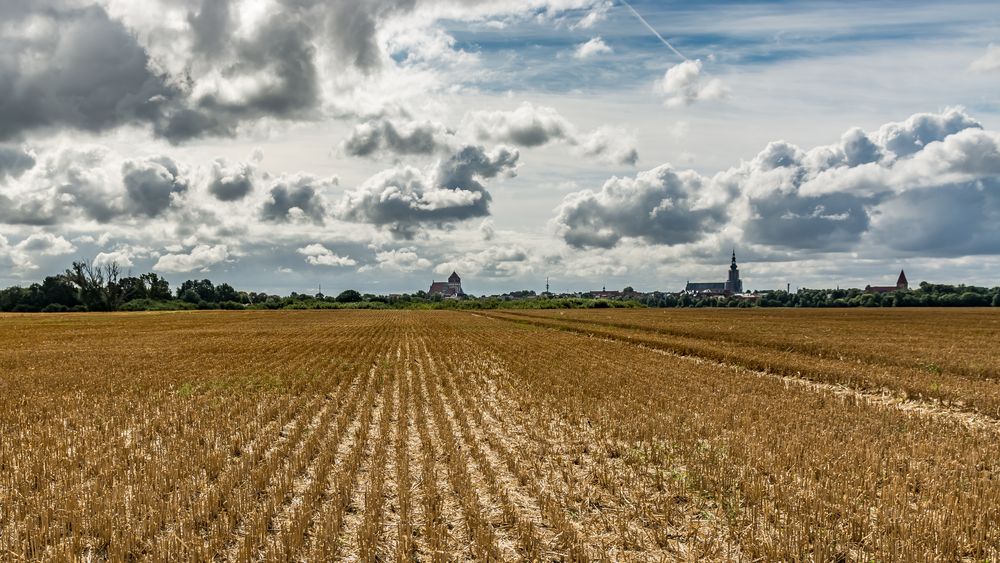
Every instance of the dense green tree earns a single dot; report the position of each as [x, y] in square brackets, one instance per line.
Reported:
[225, 292]
[132, 288]
[157, 288]
[973, 299]
[949, 300]
[349, 296]
[58, 290]
[11, 298]
[204, 288]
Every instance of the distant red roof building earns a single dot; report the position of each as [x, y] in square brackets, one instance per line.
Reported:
[451, 288]
[901, 284]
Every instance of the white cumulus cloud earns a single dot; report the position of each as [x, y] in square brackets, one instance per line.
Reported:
[21, 256]
[398, 260]
[319, 255]
[685, 84]
[122, 258]
[592, 48]
[928, 185]
[201, 258]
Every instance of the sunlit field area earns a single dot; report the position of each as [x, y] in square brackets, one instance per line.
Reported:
[618, 435]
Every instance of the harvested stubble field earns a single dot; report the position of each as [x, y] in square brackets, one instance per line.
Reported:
[434, 435]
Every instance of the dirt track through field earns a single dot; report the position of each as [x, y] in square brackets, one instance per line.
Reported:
[884, 397]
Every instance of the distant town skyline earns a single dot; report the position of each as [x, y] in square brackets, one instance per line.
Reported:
[279, 146]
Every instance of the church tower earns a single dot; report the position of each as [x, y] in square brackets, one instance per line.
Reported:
[734, 284]
[455, 285]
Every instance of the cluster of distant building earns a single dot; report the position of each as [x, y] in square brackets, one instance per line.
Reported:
[732, 287]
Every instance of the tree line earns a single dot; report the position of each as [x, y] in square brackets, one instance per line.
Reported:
[89, 287]
[926, 295]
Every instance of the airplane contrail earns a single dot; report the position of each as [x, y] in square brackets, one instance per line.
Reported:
[657, 33]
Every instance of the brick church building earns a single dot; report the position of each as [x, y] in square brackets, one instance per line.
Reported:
[451, 288]
[901, 284]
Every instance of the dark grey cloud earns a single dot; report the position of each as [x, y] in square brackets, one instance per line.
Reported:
[283, 49]
[230, 183]
[182, 124]
[462, 170]
[205, 78]
[950, 220]
[66, 185]
[95, 202]
[830, 222]
[351, 26]
[404, 199]
[783, 217]
[659, 206]
[14, 161]
[95, 77]
[294, 198]
[382, 136]
[76, 179]
[211, 25]
[534, 126]
[34, 212]
[151, 184]
[527, 126]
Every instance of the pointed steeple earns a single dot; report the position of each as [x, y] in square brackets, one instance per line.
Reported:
[901, 283]
[734, 285]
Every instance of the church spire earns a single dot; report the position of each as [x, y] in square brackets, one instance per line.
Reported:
[735, 284]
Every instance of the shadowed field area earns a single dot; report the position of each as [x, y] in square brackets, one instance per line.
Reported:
[437, 435]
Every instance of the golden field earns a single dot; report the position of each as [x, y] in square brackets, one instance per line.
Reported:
[620, 435]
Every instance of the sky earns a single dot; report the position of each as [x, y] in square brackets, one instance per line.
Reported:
[284, 145]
